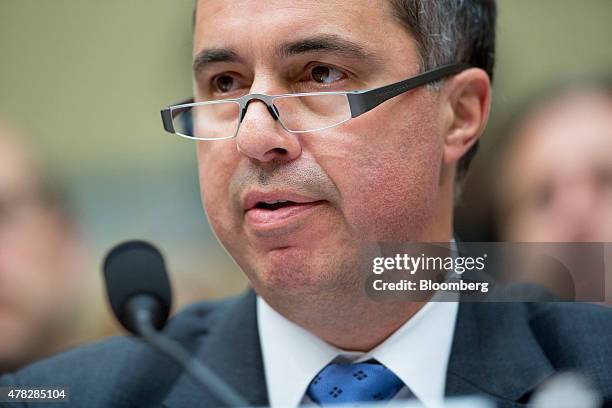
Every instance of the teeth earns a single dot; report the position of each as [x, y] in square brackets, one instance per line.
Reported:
[277, 202]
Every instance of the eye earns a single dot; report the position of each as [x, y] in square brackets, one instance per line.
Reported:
[324, 74]
[224, 84]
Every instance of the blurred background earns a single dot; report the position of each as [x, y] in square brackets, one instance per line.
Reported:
[85, 80]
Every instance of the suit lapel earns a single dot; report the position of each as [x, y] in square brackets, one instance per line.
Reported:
[232, 351]
[495, 353]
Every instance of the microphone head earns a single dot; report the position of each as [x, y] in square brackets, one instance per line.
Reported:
[136, 268]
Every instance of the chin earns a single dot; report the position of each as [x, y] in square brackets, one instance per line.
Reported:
[291, 270]
[295, 271]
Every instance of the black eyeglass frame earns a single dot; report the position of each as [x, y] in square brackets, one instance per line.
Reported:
[360, 102]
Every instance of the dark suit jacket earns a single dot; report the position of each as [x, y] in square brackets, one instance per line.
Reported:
[500, 350]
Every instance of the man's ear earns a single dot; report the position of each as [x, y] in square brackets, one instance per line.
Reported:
[469, 100]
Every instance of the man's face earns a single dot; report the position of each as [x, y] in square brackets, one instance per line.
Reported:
[372, 179]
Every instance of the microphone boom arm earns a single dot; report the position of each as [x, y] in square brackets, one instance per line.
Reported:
[142, 308]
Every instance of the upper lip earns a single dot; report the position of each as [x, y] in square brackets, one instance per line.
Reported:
[252, 198]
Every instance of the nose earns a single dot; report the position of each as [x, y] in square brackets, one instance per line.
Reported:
[576, 209]
[261, 137]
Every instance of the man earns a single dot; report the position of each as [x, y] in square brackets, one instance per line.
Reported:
[296, 188]
[40, 260]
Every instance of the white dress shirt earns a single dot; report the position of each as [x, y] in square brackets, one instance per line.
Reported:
[418, 353]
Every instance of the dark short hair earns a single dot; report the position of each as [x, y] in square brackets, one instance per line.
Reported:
[450, 31]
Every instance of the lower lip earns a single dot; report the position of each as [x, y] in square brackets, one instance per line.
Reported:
[263, 218]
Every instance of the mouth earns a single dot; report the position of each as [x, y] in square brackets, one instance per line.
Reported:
[274, 205]
[269, 211]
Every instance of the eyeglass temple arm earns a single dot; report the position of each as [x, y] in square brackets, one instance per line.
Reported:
[362, 101]
[167, 115]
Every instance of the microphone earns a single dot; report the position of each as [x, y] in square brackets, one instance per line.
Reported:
[567, 389]
[139, 293]
[137, 286]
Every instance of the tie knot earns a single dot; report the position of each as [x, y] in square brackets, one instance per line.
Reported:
[351, 383]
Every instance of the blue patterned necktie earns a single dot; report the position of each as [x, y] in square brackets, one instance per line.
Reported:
[351, 383]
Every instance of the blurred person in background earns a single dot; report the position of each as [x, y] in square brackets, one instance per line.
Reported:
[554, 177]
[41, 276]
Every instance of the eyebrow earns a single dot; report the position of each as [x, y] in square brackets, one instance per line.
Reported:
[329, 43]
[209, 56]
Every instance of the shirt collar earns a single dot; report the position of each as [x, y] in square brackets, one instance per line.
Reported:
[292, 356]
[418, 353]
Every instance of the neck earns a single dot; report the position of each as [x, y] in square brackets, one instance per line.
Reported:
[355, 324]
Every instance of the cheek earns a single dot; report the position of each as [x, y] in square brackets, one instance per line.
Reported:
[216, 164]
[388, 175]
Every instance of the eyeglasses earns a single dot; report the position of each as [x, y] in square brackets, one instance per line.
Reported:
[297, 113]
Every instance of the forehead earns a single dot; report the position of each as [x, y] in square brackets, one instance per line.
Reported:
[16, 166]
[256, 27]
[565, 136]
[580, 122]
